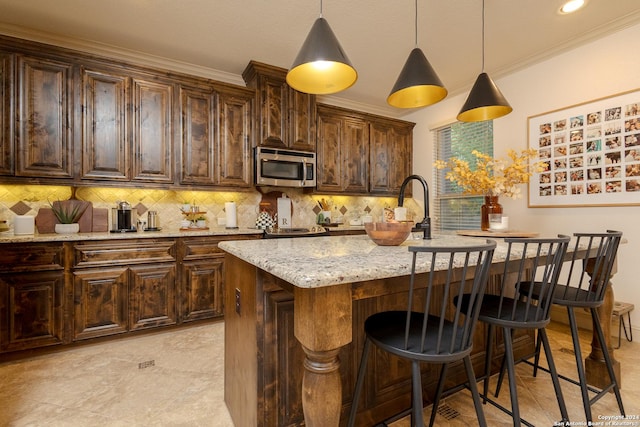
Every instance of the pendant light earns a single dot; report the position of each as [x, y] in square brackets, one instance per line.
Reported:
[418, 85]
[485, 101]
[321, 67]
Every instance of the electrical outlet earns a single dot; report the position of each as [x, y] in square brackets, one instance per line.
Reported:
[237, 300]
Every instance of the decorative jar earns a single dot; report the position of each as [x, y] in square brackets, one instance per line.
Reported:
[491, 212]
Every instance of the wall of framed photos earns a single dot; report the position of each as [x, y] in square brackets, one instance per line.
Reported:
[590, 153]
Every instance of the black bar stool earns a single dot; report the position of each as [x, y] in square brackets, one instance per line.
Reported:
[529, 263]
[590, 270]
[441, 335]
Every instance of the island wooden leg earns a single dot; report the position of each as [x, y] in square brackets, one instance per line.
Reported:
[322, 324]
[321, 388]
[595, 366]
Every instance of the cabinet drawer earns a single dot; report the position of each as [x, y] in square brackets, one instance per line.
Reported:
[35, 257]
[199, 248]
[124, 252]
[206, 247]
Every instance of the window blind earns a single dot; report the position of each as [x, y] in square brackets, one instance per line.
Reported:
[455, 210]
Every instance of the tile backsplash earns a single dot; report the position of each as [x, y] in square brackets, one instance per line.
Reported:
[28, 199]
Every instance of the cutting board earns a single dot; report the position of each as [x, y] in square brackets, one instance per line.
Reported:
[46, 219]
[510, 233]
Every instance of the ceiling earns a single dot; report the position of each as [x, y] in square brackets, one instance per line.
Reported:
[223, 35]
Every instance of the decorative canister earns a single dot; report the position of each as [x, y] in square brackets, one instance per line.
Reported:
[264, 221]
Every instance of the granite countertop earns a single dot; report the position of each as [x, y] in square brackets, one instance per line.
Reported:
[312, 262]
[9, 237]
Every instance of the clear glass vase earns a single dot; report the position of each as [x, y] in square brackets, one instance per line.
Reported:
[491, 212]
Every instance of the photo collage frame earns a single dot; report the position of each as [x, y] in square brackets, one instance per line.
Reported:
[590, 154]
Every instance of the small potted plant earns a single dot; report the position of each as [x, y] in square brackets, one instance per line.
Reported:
[68, 214]
[201, 222]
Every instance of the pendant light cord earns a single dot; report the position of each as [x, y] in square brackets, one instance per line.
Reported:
[416, 23]
[320, 8]
[483, 36]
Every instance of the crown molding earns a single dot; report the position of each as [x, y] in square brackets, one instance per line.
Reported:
[119, 53]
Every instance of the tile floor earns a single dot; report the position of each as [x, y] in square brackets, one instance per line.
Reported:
[104, 385]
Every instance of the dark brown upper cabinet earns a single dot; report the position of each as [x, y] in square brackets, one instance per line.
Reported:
[285, 118]
[6, 114]
[68, 117]
[45, 118]
[106, 147]
[216, 136]
[342, 152]
[391, 152]
[127, 126]
[362, 154]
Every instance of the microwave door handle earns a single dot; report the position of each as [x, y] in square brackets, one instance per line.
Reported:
[304, 172]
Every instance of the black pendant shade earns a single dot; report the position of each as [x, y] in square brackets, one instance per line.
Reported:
[321, 67]
[418, 85]
[485, 102]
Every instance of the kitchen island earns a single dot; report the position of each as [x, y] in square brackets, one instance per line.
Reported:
[294, 315]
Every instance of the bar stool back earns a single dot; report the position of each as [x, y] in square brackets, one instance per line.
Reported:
[436, 332]
[530, 263]
[590, 269]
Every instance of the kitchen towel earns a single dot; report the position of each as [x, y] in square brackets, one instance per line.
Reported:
[231, 215]
[284, 212]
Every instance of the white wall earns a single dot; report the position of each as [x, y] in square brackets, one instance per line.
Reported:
[602, 68]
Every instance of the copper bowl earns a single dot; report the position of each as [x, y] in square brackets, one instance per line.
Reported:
[388, 233]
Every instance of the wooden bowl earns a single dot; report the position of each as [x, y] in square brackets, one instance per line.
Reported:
[388, 233]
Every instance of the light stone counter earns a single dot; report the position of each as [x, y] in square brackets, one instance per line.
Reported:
[313, 262]
[9, 237]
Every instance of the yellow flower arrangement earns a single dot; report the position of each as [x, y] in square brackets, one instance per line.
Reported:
[492, 177]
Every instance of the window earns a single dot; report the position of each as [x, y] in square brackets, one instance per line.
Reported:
[455, 210]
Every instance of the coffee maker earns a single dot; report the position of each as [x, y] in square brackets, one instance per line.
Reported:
[121, 220]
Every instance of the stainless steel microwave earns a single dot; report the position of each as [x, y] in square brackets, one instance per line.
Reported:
[285, 168]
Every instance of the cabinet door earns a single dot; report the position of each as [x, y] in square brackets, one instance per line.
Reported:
[272, 112]
[285, 117]
[329, 154]
[301, 120]
[342, 153]
[390, 158]
[31, 310]
[355, 154]
[198, 110]
[45, 119]
[152, 296]
[202, 283]
[101, 302]
[105, 142]
[7, 99]
[234, 141]
[152, 131]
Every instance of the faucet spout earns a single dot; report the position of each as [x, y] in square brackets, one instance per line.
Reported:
[425, 225]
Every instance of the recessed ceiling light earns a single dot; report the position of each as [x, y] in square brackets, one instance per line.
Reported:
[571, 6]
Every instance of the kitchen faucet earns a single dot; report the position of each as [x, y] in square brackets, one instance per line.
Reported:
[425, 225]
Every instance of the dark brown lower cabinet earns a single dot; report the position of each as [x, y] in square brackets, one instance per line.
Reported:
[60, 293]
[31, 310]
[100, 302]
[32, 289]
[152, 296]
[202, 289]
